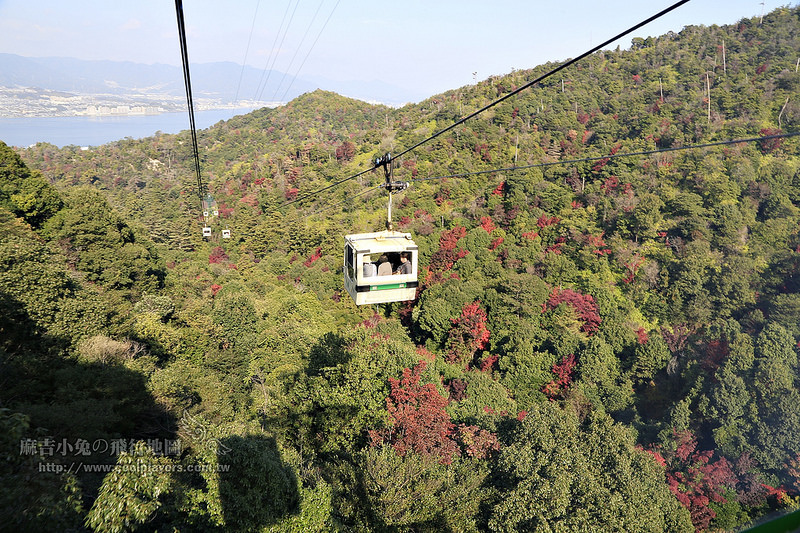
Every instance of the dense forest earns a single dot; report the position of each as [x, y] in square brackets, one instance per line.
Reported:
[597, 343]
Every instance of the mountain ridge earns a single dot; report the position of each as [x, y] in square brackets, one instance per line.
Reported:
[218, 80]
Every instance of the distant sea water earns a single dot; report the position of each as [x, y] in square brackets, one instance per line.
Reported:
[94, 131]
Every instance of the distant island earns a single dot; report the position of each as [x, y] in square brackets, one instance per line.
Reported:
[35, 102]
[55, 87]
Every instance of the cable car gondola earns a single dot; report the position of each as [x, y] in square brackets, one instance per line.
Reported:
[362, 261]
[381, 267]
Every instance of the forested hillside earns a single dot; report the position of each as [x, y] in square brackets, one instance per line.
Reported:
[598, 342]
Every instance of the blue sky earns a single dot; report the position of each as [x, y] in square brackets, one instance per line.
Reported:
[425, 46]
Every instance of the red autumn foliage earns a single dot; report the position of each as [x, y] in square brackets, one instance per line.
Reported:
[313, 258]
[490, 363]
[483, 150]
[610, 184]
[563, 371]
[457, 389]
[477, 442]
[498, 191]
[632, 267]
[599, 244]
[419, 422]
[412, 165]
[441, 196]
[443, 259]
[545, 221]
[468, 334]
[641, 336]
[695, 478]
[449, 239]
[531, 235]
[215, 289]
[495, 243]
[583, 305]
[345, 151]
[770, 145]
[291, 193]
[217, 256]
[487, 224]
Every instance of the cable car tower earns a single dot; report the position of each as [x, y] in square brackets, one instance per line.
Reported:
[381, 267]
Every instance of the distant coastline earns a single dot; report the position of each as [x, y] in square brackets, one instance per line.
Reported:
[95, 130]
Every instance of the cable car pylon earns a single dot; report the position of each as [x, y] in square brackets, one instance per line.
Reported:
[391, 186]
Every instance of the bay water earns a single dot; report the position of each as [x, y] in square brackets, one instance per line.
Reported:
[94, 131]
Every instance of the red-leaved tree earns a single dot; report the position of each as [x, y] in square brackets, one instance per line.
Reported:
[468, 334]
[419, 422]
[217, 256]
[583, 305]
[695, 477]
[563, 371]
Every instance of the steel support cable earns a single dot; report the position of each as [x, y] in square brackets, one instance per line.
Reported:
[502, 99]
[297, 50]
[611, 156]
[331, 186]
[269, 58]
[188, 83]
[544, 76]
[283, 97]
[574, 161]
[260, 90]
[246, 51]
[347, 200]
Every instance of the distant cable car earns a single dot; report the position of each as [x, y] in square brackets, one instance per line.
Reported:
[206, 232]
[226, 234]
[381, 267]
[368, 279]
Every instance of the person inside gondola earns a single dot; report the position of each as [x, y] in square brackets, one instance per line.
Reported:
[369, 267]
[405, 264]
[384, 266]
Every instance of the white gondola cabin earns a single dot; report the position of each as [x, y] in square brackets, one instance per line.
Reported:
[367, 277]
[206, 231]
[226, 234]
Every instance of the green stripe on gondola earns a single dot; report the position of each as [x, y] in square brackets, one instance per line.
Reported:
[784, 524]
[387, 287]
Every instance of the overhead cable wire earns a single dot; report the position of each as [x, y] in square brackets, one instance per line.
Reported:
[499, 100]
[347, 200]
[283, 98]
[297, 50]
[574, 161]
[544, 76]
[611, 156]
[188, 83]
[246, 51]
[274, 52]
[327, 187]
